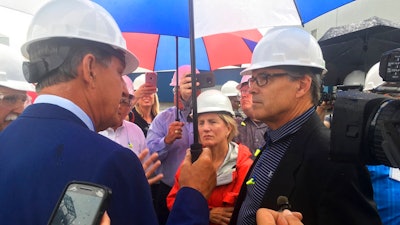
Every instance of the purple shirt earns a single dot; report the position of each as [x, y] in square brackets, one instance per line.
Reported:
[173, 154]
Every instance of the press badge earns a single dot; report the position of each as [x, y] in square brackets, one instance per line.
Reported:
[394, 173]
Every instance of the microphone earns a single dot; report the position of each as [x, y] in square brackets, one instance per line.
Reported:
[283, 203]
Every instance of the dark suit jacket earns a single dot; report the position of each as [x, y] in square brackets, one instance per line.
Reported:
[325, 192]
[48, 146]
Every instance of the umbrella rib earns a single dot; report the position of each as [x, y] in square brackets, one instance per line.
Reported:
[155, 55]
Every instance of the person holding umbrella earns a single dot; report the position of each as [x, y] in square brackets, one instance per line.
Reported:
[170, 135]
[286, 70]
[13, 86]
[217, 128]
[77, 57]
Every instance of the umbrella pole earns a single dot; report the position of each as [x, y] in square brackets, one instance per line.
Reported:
[177, 79]
[196, 147]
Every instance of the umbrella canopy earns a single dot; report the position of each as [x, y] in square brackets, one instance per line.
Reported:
[171, 17]
[357, 46]
[158, 52]
[212, 20]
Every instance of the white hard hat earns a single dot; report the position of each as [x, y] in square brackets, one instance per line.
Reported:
[11, 74]
[182, 70]
[80, 19]
[372, 79]
[244, 80]
[139, 81]
[356, 77]
[229, 88]
[128, 83]
[213, 101]
[283, 46]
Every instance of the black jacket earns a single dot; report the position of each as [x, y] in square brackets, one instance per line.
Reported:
[325, 192]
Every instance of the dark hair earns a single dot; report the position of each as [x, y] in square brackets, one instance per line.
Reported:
[70, 53]
[297, 72]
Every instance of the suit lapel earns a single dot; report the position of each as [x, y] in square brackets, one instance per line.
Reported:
[283, 182]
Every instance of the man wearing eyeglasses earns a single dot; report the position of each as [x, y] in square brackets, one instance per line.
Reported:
[13, 86]
[124, 132]
[251, 130]
[286, 70]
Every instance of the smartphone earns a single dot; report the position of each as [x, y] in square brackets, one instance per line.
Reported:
[206, 79]
[151, 78]
[81, 203]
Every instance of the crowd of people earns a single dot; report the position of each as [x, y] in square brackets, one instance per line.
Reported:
[262, 138]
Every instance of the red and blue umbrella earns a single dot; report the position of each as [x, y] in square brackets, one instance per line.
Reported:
[158, 52]
[171, 17]
[167, 19]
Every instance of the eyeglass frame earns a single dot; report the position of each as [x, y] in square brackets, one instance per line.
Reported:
[265, 78]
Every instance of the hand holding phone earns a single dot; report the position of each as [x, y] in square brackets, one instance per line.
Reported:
[81, 203]
[205, 79]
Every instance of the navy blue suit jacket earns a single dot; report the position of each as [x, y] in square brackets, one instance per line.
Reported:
[48, 146]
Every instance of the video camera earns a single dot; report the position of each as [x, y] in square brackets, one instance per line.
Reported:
[366, 126]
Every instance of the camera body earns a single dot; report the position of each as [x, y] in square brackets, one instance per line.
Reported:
[365, 127]
[389, 68]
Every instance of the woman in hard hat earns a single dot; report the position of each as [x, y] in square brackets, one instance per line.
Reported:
[217, 128]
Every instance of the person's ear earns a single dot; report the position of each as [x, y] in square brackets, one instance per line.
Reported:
[304, 85]
[89, 68]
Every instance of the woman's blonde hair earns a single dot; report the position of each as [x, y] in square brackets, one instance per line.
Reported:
[230, 122]
[155, 108]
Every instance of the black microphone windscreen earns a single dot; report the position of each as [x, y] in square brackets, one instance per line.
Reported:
[283, 203]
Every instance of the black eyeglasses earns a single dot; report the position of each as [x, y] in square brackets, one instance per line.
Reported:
[13, 99]
[263, 78]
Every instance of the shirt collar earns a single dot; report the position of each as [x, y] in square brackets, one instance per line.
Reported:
[68, 105]
[291, 127]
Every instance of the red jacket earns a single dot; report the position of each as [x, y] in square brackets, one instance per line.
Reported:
[224, 195]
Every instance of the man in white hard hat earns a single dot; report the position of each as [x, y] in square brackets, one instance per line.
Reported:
[170, 135]
[229, 90]
[13, 86]
[286, 70]
[77, 57]
[251, 131]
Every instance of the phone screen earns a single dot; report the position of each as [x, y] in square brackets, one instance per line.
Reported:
[79, 205]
